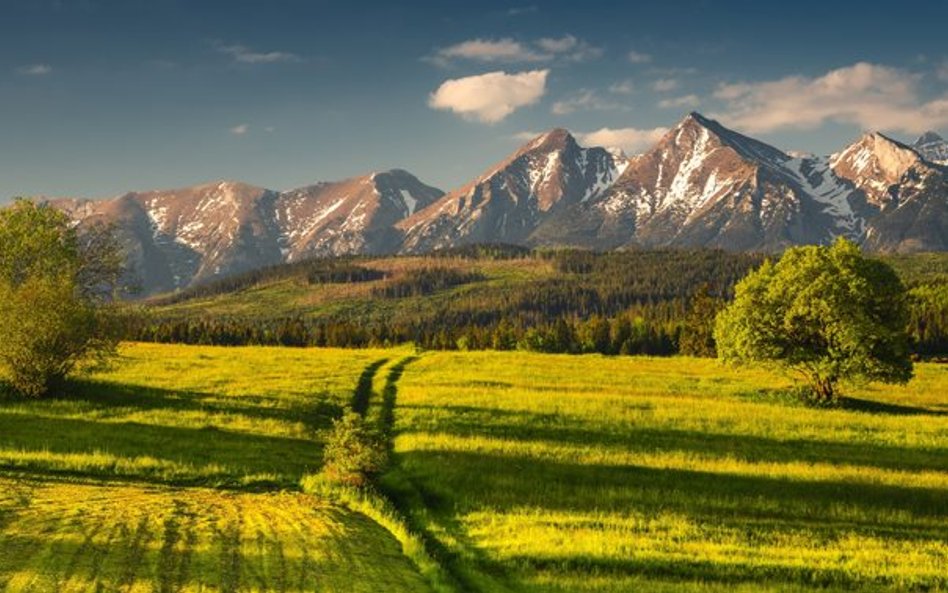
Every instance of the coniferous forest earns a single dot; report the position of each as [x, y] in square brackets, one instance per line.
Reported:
[656, 302]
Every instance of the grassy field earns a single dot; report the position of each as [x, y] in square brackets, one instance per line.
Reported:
[106, 488]
[539, 472]
[178, 469]
[77, 538]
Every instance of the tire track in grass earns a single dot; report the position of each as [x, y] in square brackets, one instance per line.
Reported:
[363, 390]
[406, 497]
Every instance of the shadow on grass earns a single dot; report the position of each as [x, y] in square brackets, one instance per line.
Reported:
[315, 414]
[873, 407]
[199, 548]
[363, 389]
[80, 432]
[684, 571]
[39, 443]
[460, 481]
[525, 427]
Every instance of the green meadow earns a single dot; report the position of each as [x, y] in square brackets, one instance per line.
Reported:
[178, 468]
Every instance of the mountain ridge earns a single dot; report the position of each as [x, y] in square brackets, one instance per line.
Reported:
[701, 185]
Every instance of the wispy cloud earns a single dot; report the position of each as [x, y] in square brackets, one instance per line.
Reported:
[522, 10]
[490, 97]
[680, 102]
[665, 85]
[570, 47]
[510, 51]
[637, 57]
[240, 130]
[869, 95]
[584, 100]
[623, 87]
[245, 55]
[35, 69]
[488, 50]
[525, 136]
[631, 140]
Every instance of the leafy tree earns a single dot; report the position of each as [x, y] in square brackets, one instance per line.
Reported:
[826, 313]
[53, 283]
[697, 332]
[354, 454]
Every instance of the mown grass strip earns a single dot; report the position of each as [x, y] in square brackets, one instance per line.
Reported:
[374, 503]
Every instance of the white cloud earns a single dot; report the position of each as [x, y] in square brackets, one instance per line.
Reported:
[869, 95]
[631, 140]
[637, 57]
[486, 50]
[584, 100]
[240, 130]
[489, 97]
[245, 55]
[510, 51]
[569, 47]
[624, 87]
[664, 85]
[684, 101]
[35, 69]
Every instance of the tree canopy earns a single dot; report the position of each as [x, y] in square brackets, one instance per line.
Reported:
[54, 280]
[826, 313]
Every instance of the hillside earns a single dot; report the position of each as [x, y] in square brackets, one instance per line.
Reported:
[489, 297]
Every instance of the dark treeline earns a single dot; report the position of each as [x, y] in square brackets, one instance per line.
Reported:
[315, 271]
[635, 302]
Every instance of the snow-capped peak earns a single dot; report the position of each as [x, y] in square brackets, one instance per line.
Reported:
[932, 147]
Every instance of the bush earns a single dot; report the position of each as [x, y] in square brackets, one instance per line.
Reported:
[54, 282]
[353, 454]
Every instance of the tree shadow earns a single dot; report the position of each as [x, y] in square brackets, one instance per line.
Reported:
[874, 407]
[315, 414]
[526, 427]
[363, 389]
[490, 481]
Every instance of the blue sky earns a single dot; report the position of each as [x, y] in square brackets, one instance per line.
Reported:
[98, 97]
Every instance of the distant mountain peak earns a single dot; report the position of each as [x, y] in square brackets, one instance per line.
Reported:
[928, 138]
[877, 156]
[933, 147]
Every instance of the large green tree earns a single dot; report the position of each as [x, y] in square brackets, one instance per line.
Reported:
[54, 284]
[828, 314]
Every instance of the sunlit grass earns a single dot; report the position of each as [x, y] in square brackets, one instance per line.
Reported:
[68, 538]
[527, 472]
[188, 415]
[614, 474]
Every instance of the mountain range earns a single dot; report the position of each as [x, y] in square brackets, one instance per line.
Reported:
[701, 185]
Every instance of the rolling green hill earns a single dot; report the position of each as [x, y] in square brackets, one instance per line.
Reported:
[490, 297]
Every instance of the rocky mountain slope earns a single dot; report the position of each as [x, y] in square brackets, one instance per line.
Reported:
[176, 238]
[932, 147]
[701, 185]
[705, 185]
[509, 202]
